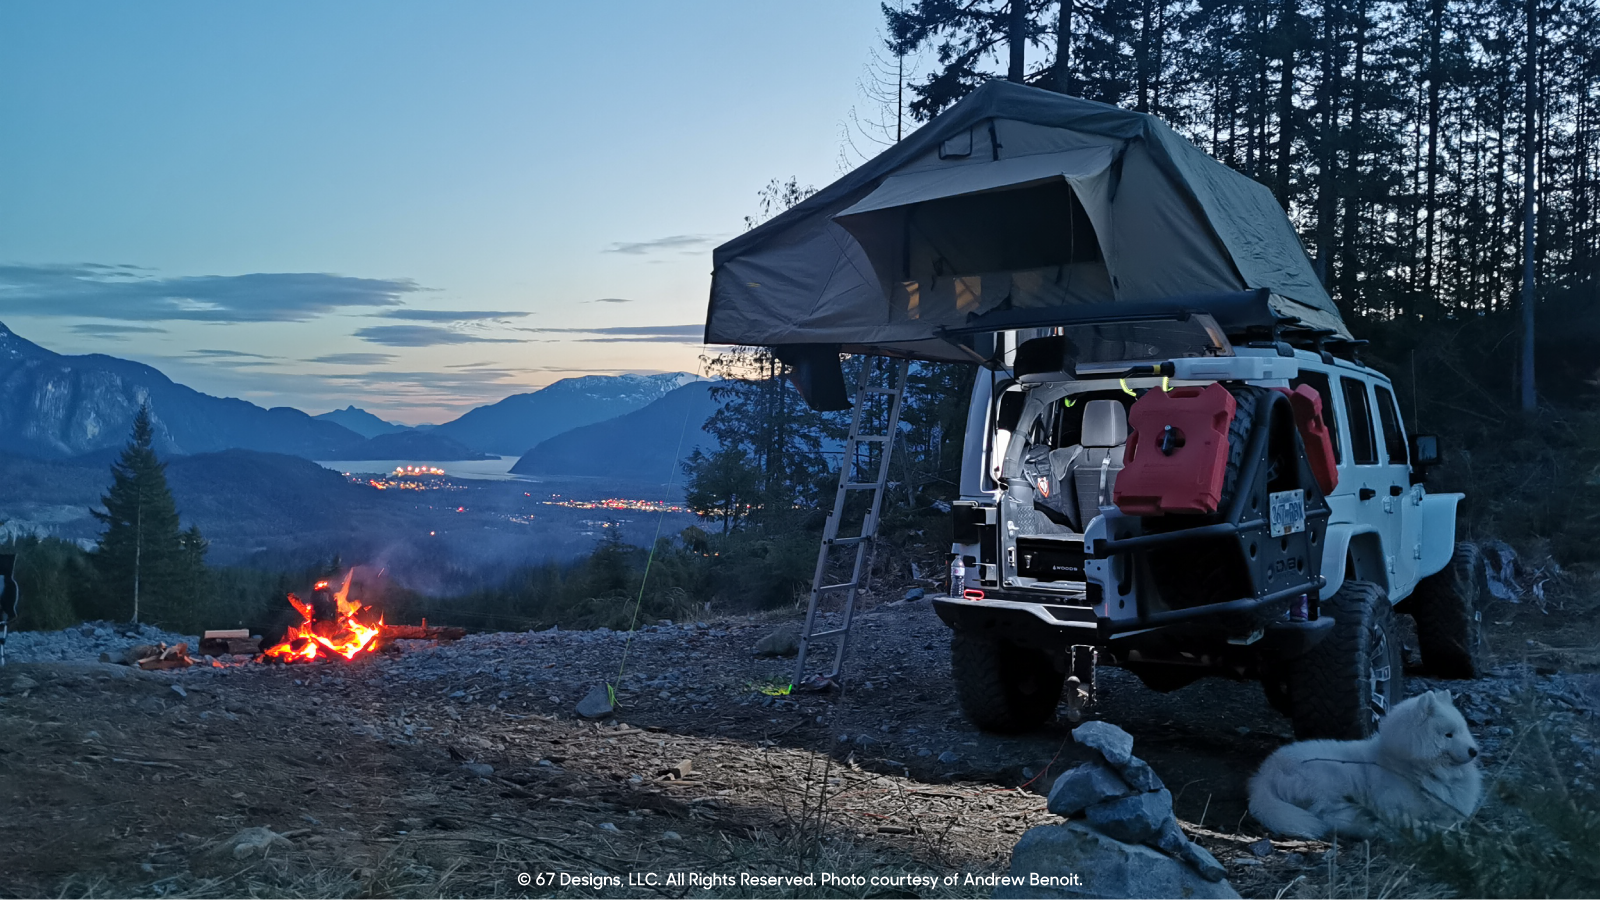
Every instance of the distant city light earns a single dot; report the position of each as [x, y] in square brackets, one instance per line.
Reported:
[617, 503]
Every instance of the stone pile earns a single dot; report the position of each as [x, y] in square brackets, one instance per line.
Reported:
[1119, 816]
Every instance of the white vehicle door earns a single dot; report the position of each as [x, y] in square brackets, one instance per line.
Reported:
[1400, 497]
[1368, 472]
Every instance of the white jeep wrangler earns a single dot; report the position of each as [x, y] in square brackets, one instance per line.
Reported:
[1319, 531]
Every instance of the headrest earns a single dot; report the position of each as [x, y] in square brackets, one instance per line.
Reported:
[1105, 424]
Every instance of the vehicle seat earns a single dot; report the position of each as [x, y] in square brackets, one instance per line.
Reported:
[1093, 465]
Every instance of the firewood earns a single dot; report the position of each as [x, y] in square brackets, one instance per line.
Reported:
[243, 645]
[224, 633]
[424, 632]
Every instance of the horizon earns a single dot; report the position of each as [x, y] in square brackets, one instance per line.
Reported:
[411, 209]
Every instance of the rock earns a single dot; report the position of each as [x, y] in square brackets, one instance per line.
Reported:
[178, 689]
[1080, 788]
[1139, 776]
[482, 770]
[253, 841]
[1104, 868]
[22, 683]
[596, 703]
[607, 826]
[1113, 744]
[1134, 819]
[1262, 848]
[948, 757]
[1173, 841]
[915, 594]
[784, 642]
[672, 837]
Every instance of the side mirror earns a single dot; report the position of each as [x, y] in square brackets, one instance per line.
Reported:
[1424, 450]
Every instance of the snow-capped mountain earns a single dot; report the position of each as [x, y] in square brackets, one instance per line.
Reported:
[518, 423]
[54, 406]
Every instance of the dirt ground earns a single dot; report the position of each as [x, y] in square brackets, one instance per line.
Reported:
[372, 774]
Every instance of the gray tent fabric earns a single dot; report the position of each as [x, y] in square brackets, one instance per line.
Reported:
[1016, 197]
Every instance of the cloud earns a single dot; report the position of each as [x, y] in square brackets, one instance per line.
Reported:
[671, 334]
[610, 300]
[422, 336]
[113, 332]
[352, 359]
[690, 243]
[230, 354]
[124, 293]
[451, 315]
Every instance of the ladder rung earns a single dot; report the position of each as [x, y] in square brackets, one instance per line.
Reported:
[849, 541]
[870, 437]
[861, 485]
[880, 390]
[827, 588]
[830, 633]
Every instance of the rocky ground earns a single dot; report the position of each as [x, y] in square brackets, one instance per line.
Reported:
[454, 768]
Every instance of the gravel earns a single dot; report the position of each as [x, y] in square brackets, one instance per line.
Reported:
[85, 643]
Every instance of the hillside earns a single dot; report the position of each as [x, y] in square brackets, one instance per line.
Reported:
[519, 422]
[641, 444]
[429, 445]
[54, 406]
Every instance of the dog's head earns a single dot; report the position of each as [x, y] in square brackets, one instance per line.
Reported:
[1429, 728]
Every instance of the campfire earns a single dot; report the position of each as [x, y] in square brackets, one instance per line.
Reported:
[332, 624]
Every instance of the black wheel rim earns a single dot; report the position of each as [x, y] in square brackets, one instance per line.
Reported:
[1380, 674]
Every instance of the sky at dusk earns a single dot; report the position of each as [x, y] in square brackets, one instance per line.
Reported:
[413, 207]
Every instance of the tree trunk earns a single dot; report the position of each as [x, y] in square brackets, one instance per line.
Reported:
[1327, 103]
[1141, 59]
[1287, 29]
[1430, 198]
[1062, 80]
[1017, 37]
[1530, 399]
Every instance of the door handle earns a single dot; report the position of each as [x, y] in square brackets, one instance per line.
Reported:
[1396, 490]
[1367, 493]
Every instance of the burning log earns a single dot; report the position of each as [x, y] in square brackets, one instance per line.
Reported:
[230, 640]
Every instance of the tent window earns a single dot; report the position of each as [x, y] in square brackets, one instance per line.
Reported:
[998, 231]
[958, 147]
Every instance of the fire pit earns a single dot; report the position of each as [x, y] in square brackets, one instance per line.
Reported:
[332, 624]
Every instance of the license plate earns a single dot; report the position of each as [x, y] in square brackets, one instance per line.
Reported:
[1287, 512]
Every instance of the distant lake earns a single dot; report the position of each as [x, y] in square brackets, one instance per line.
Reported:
[495, 469]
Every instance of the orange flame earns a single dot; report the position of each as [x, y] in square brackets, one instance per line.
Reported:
[344, 636]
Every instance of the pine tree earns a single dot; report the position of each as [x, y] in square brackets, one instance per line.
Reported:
[142, 560]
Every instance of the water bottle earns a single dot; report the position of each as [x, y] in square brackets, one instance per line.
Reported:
[958, 577]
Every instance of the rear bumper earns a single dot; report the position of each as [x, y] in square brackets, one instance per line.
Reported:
[1053, 627]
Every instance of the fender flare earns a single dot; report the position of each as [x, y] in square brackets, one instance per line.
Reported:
[1336, 549]
[1436, 532]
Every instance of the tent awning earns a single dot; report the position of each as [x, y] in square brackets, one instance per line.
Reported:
[972, 178]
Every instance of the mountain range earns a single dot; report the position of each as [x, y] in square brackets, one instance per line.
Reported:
[518, 423]
[56, 406]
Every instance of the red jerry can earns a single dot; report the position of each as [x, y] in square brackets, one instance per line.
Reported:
[1177, 455]
[1307, 406]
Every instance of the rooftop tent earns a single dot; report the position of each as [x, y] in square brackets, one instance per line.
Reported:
[1014, 199]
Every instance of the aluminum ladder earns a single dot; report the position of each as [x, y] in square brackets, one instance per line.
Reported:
[852, 467]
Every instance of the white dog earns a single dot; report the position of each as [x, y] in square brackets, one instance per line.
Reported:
[1418, 773]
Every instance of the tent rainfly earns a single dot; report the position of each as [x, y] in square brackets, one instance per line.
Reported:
[1014, 199]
